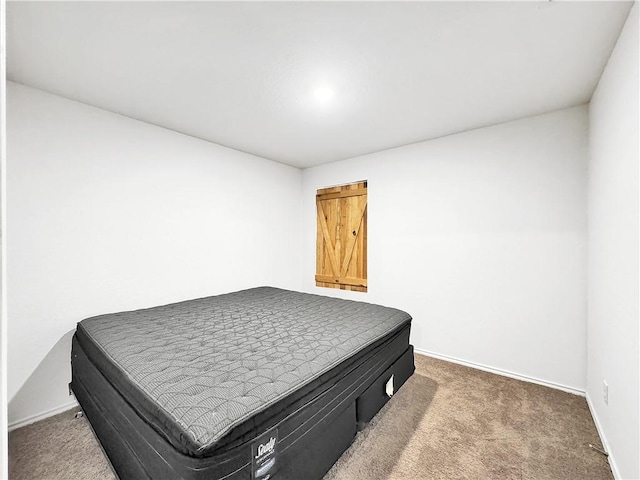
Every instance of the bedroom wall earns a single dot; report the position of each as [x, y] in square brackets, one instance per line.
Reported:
[3, 333]
[613, 332]
[481, 236]
[106, 213]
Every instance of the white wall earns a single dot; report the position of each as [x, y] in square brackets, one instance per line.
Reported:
[481, 236]
[613, 253]
[3, 333]
[106, 214]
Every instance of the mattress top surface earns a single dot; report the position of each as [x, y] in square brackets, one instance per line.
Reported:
[213, 362]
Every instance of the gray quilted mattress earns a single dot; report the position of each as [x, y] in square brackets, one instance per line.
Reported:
[207, 365]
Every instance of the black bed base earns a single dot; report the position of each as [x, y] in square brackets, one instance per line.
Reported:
[310, 438]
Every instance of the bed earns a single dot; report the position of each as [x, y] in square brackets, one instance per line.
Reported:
[257, 384]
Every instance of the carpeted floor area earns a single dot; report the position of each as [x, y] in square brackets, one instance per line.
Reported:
[447, 422]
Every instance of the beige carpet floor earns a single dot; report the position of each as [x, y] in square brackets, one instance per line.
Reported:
[447, 422]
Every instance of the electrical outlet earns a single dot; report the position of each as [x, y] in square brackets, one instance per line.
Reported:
[605, 392]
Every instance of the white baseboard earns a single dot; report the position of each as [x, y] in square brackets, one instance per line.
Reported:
[41, 416]
[603, 439]
[504, 373]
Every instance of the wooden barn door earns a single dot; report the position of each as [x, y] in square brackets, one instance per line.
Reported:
[341, 245]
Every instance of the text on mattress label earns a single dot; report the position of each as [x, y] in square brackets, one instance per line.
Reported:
[266, 448]
[264, 455]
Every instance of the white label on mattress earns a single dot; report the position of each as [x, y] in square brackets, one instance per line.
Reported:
[264, 453]
[389, 387]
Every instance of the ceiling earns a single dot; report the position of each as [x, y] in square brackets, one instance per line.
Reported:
[244, 74]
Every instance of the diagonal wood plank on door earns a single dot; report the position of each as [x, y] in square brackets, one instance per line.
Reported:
[353, 237]
[329, 246]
